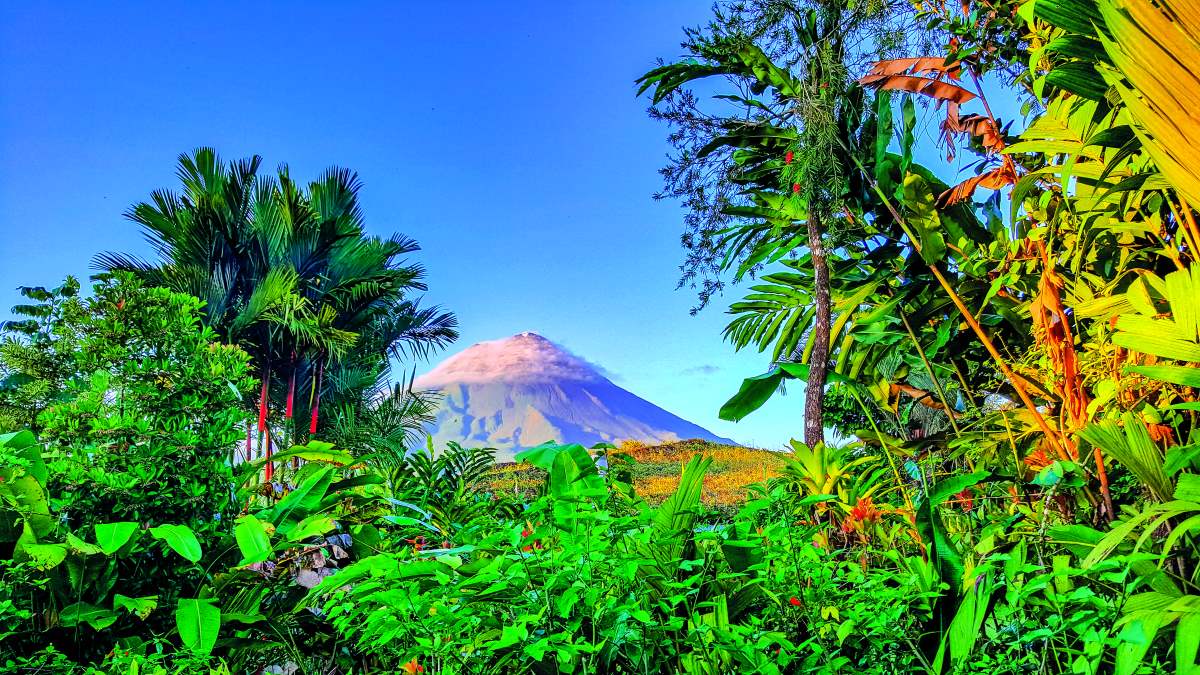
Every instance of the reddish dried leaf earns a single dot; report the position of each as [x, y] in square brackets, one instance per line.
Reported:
[1001, 176]
[924, 86]
[915, 66]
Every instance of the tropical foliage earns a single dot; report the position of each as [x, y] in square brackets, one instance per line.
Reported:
[289, 273]
[1000, 464]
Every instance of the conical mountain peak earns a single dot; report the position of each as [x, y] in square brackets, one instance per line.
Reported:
[523, 358]
[524, 390]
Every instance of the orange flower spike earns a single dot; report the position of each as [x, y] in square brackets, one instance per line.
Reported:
[412, 667]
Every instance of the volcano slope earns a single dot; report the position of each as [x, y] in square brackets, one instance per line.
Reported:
[524, 390]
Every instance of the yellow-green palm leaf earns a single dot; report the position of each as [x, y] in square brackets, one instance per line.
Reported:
[1155, 46]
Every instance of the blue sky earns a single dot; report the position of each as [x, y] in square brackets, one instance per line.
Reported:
[505, 138]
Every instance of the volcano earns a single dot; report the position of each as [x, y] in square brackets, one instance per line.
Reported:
[524, 390]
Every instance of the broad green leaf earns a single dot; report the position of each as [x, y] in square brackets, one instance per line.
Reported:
[542, 456]
[22, 493]
[198, 622]
[112, 536]
[924, 219]
[82, 547]
[303, 501]
[252, 540]
[1186, 376]
[139, 607]
[181, 539]
[943, 490]
[754, 392]
[41, 556]
[311, 526]
[81, 612]
[316, 451]
[24, 444]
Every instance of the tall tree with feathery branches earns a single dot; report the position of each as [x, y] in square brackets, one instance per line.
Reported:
[289, 273]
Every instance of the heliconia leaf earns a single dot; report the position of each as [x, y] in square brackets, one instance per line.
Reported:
[252, 540]
[98, 618]
[139, 607]
[302, 501]
[311, 526]
[754, 392]
[180, 539]
[112, 536]
[198, 622]
[908, 75]
[919, 65]
[979, 126]
[935, 89]
[999, 177]
[317, 451]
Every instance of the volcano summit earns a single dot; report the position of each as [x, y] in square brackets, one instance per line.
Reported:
[525, 390]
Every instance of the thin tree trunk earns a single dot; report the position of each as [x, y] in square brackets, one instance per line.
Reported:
[818, 360]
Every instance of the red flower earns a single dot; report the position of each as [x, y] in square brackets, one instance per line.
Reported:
[787, 159]
[966, 498]
[795, 188]
[794, 601]
[525, 534]
[1037, 460]
[865, 512]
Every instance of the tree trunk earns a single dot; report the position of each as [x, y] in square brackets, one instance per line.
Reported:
[818, 360]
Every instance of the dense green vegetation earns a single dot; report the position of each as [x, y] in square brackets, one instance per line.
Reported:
[1012, 363]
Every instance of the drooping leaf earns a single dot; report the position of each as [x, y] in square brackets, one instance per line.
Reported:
[180, 539]
[754, 392]
[139, 607]
[98, 618]
[315, 451]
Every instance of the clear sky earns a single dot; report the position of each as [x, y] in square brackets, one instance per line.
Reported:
[504, 137]
[507, 138]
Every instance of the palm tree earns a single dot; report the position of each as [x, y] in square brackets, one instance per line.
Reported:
[290, 274]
